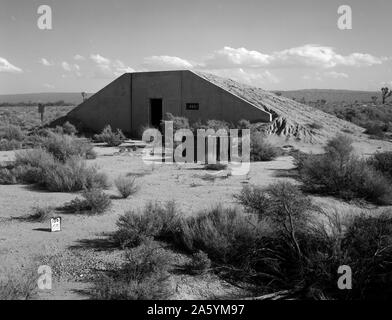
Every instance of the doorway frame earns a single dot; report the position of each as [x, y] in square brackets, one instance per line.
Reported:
[150, 110]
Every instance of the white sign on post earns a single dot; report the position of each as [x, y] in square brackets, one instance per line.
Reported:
[55, 224]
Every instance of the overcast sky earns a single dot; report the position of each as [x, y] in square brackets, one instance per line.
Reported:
[273, 44]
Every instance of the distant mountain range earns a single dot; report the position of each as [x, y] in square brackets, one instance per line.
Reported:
[75, 98]
[330, 95]
[71, 98]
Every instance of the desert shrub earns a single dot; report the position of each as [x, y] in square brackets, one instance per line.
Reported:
[382, 161]
[339, 173]
[69, 128]
[88, 151]
[126, 186]
[252, 198]
[94, 201]
[7, 145]
[73, 175]
[212, 124]
[39, 214]
[154, 221]
[367, 247]
[12, 132]
[283, 204]
[243, 124]
[226, 234]
[340, 148]
[29, 165]
[34, 158]
[178, 122]
[215, 166]
[217, 125]
[28, 174]
[260, 150]
[363, 243]
[63, 147]
[199, 264]
[39, 166]
[143, 276]
[113, 139]
[18, 284]
[279, 246]
[222, 233]
[7, 177]
[375, 129]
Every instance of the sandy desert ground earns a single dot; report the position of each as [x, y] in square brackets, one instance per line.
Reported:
[81, 246]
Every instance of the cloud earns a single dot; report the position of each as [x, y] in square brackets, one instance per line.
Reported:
[98, 59]
[336, 75]
[120, 68]
[46, 62]
[250, 77]
[106, 68]
[72, 69]
[309, 55]
[66, 66]
[48, 85]
[320, 56]
[79, 57]
[6, 66]
[241, 57]
[166, 63]
[253, 67]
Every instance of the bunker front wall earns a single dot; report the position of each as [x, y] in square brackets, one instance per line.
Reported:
[111, 105]
[179, 88]
[125, 103]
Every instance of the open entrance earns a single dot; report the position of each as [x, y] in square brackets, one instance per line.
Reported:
[156, 112]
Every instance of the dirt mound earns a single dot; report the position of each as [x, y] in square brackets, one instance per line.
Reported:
[289, 118]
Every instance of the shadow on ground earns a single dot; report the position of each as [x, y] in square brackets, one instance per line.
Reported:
[105, 243]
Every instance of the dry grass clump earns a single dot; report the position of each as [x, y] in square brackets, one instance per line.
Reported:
[154, 221]
[39, 214]
[11, 132]
[74, 175]
[304, 254]
[178, 122]
[261, 150]
[94, 201]
[63, 147]
[222, 233]
[7, 145]
[18, 284]
[126, 186]
[11, 137]
[113, 139]
[199, 264]
[69, 128]
[382, 161]
[40, 167]
[278, 243]
[143, 276]
[338, 172]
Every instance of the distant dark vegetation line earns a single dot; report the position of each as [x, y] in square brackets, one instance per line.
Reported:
[58, 103]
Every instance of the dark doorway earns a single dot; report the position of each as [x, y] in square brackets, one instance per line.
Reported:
[156, 113]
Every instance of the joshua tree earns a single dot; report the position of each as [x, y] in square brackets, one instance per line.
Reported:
[41, 110]
[385, 94]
